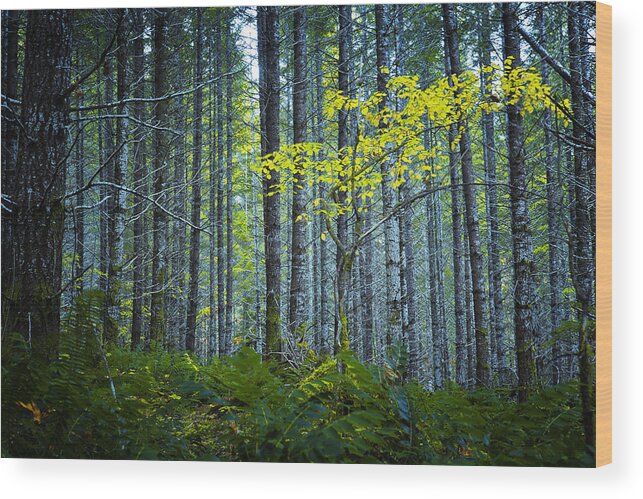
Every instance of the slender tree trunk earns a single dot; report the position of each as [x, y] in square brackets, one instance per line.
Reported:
[256, 237]
[495, 274]
[364, 219]
[107, 195]
[583, 255]
[554, 204]
[213, 339]
[471, 211]
[459, 277]
[405, 220]
[32, 297]
[298, 249]
[195, 235]
[267, 32]
[220, 176]
[176, 296]
[79, 213]
[471, 341]
[342, 258]
[391, 226]
[229, 305]
[139, 242]
[523, 255]
[322, 338]
[161, 167]
[116, 224]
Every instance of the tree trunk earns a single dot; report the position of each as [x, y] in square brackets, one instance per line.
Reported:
[391, 226]
[554, 204]
[491, 193]
[107, 195]
[583, 255]
[268, 36]
[220, 176]
[158, 318]
[523, 255]
[459, 278]
[342, 258]
[176, 297]
[229, 304]
[298, 249]
[195, 235]
[32, 297]
[79, 210]
[139, 242]
[471, 209]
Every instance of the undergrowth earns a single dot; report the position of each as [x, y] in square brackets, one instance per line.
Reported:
[168, 406]
[119, 404]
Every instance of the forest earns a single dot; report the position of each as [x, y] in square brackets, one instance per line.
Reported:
[345, 234]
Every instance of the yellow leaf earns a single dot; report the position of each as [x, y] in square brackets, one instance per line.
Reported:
[33, 409]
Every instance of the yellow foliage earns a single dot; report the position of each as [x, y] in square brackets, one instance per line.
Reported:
[390, 146]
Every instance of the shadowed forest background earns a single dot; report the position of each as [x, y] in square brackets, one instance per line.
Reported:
[358, 234]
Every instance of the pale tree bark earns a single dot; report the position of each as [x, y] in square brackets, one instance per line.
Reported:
[496, 309]
[343, 260]
[117, 223]
[79, 213]
[139, 174]
[195, 235]
[158, 319]
[365, 254]
[405, 223]
[554, 205]
[459, 278]
[220, 175]
[298, 222]
[471, 212]
[177, 297]
[391, 226]
[212, 343]
[107, 193]
[471, 341]
[229, 305]
[321, 289]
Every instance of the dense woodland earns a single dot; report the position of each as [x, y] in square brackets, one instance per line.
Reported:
[321, 233]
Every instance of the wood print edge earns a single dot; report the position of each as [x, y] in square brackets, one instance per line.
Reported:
[604, 234]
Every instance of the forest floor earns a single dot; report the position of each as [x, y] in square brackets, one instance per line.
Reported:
[169, 406]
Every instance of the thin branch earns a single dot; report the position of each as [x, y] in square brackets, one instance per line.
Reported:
[89, 71]
[151, 100]
[147, 198]
[542, 52]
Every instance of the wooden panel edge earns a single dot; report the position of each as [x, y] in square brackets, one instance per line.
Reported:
[603, 234]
